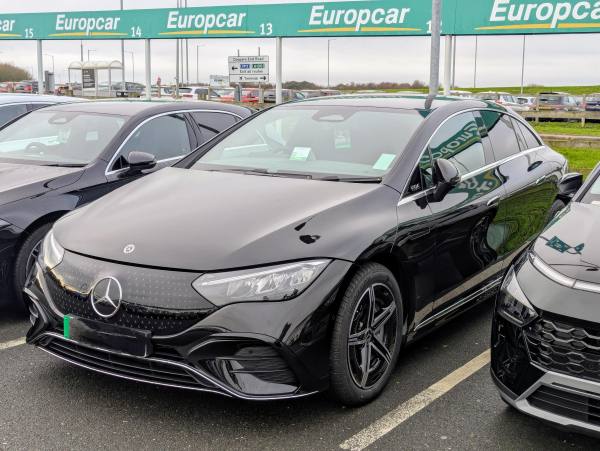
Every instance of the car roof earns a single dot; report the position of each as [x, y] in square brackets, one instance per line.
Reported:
[35, 98]
[135, 107]
[399, 101]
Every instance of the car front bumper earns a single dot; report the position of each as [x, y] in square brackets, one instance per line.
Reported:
[568, 402]
[254, 351]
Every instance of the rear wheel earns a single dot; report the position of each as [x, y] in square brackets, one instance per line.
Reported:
[25, 259]
[367, 336]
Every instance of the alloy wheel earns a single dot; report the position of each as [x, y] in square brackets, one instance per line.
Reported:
[372, 336]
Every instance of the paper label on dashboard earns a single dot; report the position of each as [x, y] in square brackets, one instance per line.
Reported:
[384, 161]
[300, 154]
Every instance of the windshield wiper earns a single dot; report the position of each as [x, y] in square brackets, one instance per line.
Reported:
[66, 165]
[243, 170]
[335, 178]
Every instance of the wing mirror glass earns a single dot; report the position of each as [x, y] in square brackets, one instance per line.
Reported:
[447, 176]
[139, 161]
[570, 184]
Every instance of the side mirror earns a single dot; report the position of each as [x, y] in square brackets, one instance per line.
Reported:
[446, 176]
[570, 184]
[139, 161]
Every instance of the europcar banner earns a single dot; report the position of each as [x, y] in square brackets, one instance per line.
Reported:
[360, 18]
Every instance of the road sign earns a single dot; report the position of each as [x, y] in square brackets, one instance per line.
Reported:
[218, 81]
[158, 82]
[249, 68]
[344, 18]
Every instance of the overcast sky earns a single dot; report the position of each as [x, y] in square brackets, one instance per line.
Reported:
[550, 60]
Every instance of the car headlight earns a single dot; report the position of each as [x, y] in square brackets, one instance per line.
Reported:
[271, 283]
[512, 302]
[52, 253]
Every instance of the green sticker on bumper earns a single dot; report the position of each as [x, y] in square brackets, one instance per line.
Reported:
[66, 320]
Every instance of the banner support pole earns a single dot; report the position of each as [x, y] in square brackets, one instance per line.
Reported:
[148, 71]
[278, 86]
[40, 68]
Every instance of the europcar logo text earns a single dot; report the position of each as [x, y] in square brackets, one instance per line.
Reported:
[366, 19]
[572, 14]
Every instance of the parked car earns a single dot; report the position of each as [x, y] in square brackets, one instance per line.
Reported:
[165, 91]
[193, 91]
[592, 102]
[504, 98]
[526, 100]
[248, 95]
[61, 157]
[312, 93]
[5, 86]
[26, 86]
[286, 96]
[546, 324]
[130, 87]
[557, 101]
[299, 250]
[466, 94]
[15, 105]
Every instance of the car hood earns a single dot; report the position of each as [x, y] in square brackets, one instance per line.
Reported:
[571, 244]
[203, 220]
[19, 181]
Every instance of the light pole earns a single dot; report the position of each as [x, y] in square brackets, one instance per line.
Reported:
[89, 53]
[197, 64]
[328, 41]
[132, 67]
[475, 76]
[52, 61]
[30, 67]
[523, 65]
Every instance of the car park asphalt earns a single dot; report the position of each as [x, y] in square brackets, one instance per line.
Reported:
[48, 404]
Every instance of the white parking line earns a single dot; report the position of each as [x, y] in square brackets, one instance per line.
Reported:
[406, 410]
[10, 344]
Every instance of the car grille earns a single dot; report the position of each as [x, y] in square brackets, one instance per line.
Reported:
[164, 373]
[565, 348]
[157, 300]
[567, 404]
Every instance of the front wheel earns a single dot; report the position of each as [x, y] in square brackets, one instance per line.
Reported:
[366, 336]
[555, 209]
[25, 259]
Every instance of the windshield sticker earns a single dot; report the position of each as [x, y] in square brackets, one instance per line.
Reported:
[91, 136]
[300, 154]
[342, 138]
[384, 161]
[63, 135]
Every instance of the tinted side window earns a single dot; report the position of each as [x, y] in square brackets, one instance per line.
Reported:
[530, 138]
[164, 137]
[520, 139]
[8, 113]
[502, 134]
[459, 141]
[212, 124]
[35, 106]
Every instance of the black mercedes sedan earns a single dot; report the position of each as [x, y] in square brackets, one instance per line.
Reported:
[546, 330]
[299, 250]
[58, 158]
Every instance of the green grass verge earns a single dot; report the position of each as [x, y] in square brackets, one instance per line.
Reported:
[580, 160]
[567, 128]
[575, 90]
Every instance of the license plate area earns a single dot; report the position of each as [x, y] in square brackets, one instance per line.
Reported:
[108, 337]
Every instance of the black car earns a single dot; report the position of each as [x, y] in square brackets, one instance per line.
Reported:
[558, 101]
[299, 250]
[58, 158]
[546, 330]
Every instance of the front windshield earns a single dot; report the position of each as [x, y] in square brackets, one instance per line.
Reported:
[58, 137]
[317, 141]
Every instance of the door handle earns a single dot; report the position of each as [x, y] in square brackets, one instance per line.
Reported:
[492, 201]
[540, 180]
[419, 233]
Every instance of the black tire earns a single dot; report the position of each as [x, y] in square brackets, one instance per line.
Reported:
[23, 261]
[380, 335]
[556, 207]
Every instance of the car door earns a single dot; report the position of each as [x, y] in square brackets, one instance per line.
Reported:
[168, 137]
[528, 188]
[470, 219]
[415, 240]
[212, 123]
